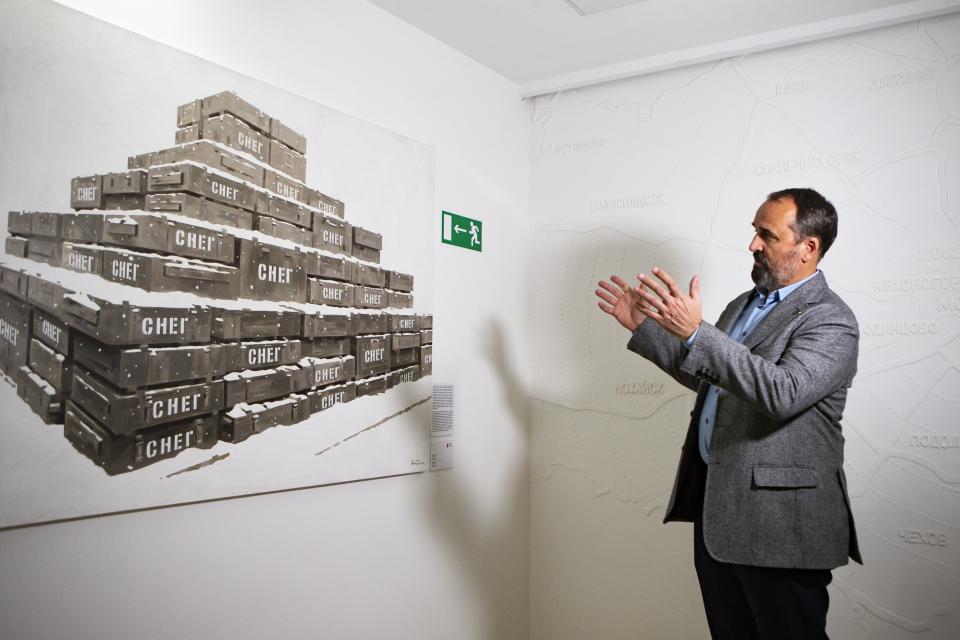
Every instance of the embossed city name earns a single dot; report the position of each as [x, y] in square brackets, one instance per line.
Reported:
[948, 304]
[791, 88]
[640, 388]
[899, 328]
[935, 440]
[903, 79]
[938, 254]
[808, 163]
[929, 538]
[579, 146]
[638, 201]
[937, 282]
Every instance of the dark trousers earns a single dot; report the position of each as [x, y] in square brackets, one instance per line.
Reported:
[763, 603]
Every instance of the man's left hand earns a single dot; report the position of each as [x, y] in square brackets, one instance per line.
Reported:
[668, 306]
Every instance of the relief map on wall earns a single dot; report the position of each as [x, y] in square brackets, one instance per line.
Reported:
[668, 170]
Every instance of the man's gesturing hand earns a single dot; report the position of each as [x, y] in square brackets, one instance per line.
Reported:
[621, 302]
[669, 307]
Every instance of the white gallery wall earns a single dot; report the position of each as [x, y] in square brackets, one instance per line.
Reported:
[668, 170]
[435, 555]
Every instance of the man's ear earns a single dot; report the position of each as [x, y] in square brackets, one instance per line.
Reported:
[811, 249]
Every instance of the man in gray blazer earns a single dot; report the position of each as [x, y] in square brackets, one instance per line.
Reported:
[761, 471]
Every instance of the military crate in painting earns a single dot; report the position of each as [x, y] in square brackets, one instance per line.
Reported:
[373, 386]
[404, 323]
[152, 232]
[406, 374]
[282, 230]
[282, 133]
[40, 396]
[44, 250]
[288, 161]
[331, 234]
[372, 354]
[83, 258]
[370, 275]
[285, 210]
[328, 206]
[122, 453]
[45, 224]
[217, 157]
[280, 184]
[196, 180]
[123, 412]
[135, 367]
[265, 384]
[363, 323]
[219, 103]
[329, 267]
[398, 300]
[248, 324]
[246, 419]
[366, 245]
[370, 297]
[192, 206]
[327, 397]
[128, 324]
[53, 332]
[404, 357]
[263, 354]
[124, 190]
[404, 341]
[320, 325]
[14, 333]
[52, 366]
[399, 281]
[15, 282]
[15, 246]
[162, 273]
[327, 371]
[330, 292]
[19, 222]
[271, 272]
[230, 131]
[327, 347]
[426, 360]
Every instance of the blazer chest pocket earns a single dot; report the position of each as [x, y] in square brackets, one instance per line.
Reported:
[771, 477]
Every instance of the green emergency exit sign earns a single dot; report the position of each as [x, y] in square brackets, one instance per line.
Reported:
[461, 231]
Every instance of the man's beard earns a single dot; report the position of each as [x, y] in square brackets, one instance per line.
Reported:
[768, 277]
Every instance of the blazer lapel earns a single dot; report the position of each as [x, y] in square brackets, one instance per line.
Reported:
[733, 311]
[795, 304]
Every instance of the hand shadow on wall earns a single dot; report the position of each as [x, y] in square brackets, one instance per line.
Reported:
[478, 543]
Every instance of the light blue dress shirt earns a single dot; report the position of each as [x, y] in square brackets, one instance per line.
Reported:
[760, 305]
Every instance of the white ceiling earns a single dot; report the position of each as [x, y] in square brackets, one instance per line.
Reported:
[548, 45]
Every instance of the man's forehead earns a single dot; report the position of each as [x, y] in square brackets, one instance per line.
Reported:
[776, 213]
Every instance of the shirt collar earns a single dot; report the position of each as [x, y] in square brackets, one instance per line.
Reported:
[781, 294]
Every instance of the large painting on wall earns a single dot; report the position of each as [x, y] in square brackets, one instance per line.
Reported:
[209, 287]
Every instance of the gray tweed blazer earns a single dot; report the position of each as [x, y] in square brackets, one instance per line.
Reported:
[774, 494]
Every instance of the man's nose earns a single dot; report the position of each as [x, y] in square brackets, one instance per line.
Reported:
[755, 244]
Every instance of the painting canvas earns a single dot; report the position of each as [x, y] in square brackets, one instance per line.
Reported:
[211, 287]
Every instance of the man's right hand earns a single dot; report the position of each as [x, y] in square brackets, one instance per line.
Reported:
[621, 302]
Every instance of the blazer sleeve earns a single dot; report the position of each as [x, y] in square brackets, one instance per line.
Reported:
[820, 356]
[663, 349]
